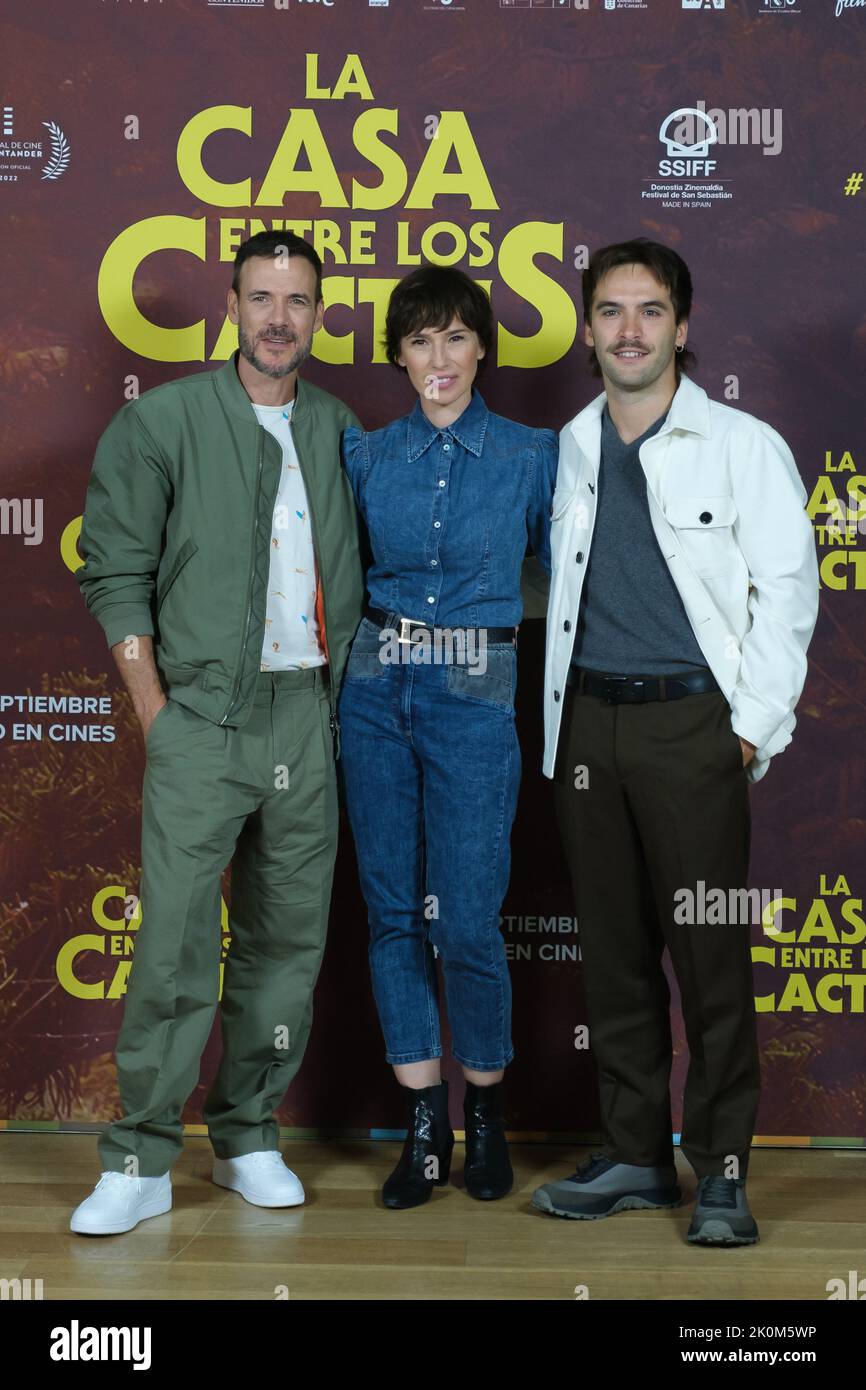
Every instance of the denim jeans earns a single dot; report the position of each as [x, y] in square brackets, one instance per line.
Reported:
[431, 764]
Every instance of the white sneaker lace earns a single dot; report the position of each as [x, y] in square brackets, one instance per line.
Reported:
[271, 1158]
[106, 1178]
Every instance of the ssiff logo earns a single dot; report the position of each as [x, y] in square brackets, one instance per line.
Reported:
[687, 158]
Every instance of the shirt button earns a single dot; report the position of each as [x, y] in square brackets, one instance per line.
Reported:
[567, 625]
[447, 448]
[433, 562]
[441, 482]
[579, 557]
[556, 694]
[705, 517]
[437, 524]
[431, 599]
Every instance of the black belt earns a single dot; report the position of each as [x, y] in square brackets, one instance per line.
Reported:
[634, 690]
[404, 627]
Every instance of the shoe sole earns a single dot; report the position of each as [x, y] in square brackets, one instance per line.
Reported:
[720, 1233]
[157, 1208]
[487, 1196]
[632, 1202]
[254, 1201]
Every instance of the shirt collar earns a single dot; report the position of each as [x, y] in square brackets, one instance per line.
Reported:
[690, 411]
[468, 429]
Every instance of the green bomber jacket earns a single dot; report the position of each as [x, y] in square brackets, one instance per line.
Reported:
[176, 534]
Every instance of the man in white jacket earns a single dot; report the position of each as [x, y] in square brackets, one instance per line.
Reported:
[683, 596]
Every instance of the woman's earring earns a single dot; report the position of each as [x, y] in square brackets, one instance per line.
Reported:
[681, 347]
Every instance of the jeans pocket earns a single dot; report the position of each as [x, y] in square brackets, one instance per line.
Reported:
[491, 682]
[364, 662]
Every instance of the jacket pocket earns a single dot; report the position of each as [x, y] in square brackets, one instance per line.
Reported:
[186, 551]
[704, 526]
[704, 513]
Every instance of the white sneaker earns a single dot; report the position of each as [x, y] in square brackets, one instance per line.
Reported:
[262, 1178]
[118, 1202]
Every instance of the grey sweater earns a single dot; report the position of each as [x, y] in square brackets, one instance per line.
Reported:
[631, 621]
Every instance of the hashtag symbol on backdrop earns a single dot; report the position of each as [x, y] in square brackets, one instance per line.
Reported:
[853, 184]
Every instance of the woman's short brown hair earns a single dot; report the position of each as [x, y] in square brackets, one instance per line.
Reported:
[430, 297]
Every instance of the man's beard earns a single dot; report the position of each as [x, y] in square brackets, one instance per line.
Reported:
[245, 344]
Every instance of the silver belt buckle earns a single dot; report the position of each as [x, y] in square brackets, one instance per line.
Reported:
[405, 625]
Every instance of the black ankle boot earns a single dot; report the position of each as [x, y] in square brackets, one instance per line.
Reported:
[426, 1158]
[487, 1173]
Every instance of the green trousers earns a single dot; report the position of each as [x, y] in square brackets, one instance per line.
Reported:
[265, 798]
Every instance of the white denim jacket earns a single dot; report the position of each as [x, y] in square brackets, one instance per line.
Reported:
[727, 506]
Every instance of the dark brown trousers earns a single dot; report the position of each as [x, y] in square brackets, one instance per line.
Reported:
[666, 808]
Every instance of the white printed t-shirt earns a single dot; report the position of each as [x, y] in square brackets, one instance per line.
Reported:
[291, 639]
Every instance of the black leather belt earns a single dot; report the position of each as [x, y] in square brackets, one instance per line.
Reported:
[634, 690]
[404, 627]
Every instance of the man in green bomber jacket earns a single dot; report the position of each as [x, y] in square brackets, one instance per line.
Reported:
[221, 554]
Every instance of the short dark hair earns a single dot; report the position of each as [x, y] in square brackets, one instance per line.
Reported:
[430, 297]
[668, 268]
[276, 244]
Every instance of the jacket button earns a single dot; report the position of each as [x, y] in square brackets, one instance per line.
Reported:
[566, 625]
[556, 694]
[705, 517]
[579, 557]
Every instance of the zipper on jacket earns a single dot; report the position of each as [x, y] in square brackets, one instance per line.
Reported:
[332, 717]
[243, 651]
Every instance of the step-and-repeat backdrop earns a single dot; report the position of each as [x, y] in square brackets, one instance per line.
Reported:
[141, 141]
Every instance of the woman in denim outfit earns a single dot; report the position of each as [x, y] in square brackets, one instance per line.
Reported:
[450, 495]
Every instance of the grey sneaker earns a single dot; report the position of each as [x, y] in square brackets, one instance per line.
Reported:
[601, 1187]
[722, 1215]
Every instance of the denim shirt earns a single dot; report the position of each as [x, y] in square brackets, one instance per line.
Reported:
[449, 512]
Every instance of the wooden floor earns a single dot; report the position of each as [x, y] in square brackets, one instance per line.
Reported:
[810, 1206]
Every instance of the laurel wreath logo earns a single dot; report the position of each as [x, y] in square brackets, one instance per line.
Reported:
[60, 152]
